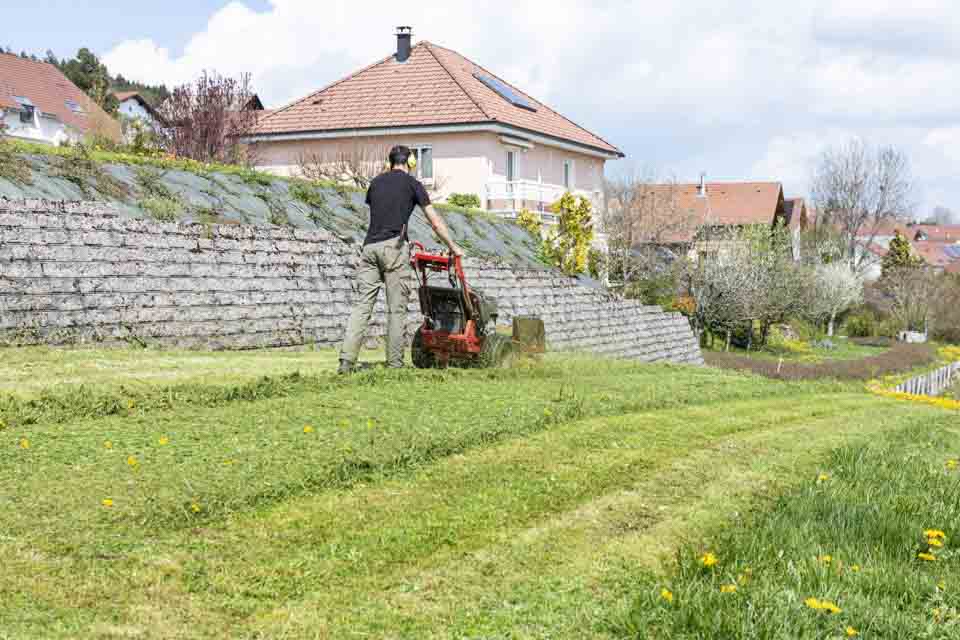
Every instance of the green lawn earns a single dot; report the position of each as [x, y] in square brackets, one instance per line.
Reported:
[845, 350]
[545, 501]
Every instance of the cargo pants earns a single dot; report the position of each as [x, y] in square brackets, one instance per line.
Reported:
[381, 264]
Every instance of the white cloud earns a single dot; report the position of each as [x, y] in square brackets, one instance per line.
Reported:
[747, 90]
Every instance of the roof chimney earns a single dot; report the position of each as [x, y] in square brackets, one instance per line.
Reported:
[702, 189]
[404, 34]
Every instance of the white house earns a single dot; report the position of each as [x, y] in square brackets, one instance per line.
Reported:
[39, 104]
[472, 132]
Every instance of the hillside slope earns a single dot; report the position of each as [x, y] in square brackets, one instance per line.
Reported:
[191, 192]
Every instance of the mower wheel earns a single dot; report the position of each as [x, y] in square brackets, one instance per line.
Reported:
[422, 359]
[497, 351]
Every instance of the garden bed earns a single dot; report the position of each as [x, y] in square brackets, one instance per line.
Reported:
[900, 358]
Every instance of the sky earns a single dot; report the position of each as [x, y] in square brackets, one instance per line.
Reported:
[738, 90]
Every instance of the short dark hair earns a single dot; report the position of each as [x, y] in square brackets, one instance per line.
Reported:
[399, 156]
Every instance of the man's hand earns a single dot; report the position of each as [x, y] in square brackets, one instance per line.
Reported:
[441, 230]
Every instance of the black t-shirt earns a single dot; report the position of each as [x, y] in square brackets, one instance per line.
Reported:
[392, 197]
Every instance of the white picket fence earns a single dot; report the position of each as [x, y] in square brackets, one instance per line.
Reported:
[933, 383]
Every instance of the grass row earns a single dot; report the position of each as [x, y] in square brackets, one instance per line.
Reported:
[865, 548]
[176, 457]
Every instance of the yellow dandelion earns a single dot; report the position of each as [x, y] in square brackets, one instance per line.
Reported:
[951, 464]
[935, 533]
[164, 440]
[935, 542]
[228, 462]
[107, 444]
[852, 633]
[813, 603]
[195, 507]
[24, 443]
[308, 429]
[708, 560]
[829, 607]
[823, 477]
[132, 461]
[855, 568]
[728, 588]
[929, 557]
[666, 594]
[825, 559]
[107, 502]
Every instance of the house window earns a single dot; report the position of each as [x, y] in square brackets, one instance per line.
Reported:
[424, 156]
[26, 109]
[511, 166]
[568, 174]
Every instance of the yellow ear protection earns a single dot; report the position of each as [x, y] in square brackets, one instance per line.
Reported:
[411, 162]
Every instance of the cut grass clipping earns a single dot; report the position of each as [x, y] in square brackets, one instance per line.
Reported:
[867, 547]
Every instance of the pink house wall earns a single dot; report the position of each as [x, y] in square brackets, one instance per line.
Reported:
[462, 162]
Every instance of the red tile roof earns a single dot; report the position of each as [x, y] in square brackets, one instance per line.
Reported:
[435, 86]
[48, 89]
[731, 203]
[725, 204]
[935, 253]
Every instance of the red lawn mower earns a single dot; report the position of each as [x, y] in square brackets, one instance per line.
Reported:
[459, 323]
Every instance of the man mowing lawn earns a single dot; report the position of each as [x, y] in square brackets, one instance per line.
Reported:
[392, 197]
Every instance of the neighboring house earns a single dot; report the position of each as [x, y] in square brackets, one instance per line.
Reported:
[135, 107]
[937, 245]
[471, 131]
[703, 213]
[39, 104]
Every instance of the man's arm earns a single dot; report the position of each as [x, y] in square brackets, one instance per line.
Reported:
[440, 228]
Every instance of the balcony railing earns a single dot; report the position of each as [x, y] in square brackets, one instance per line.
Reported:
[509, 198]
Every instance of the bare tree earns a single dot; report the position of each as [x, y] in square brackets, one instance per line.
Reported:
[357, 164]
[836, 288]
[912, 294]
[744, 278]
[645, 227]
[858, 189]
[208, 119]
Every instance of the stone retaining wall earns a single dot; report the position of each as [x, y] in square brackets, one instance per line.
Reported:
[76, 273]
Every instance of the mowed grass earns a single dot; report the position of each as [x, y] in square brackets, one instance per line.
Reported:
[865, 548]
[522, 503]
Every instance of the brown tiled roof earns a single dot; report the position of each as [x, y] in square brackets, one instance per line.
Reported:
[937, 232]
[725, 204]
[435, 86]
[48, 89]
[935, 253]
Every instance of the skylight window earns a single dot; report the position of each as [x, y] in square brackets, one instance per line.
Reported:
[505, 92]
[23, 102]
[73, 106]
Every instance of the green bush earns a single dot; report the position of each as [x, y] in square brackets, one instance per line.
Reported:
[779, 344]
[862, 324]
[161, 209]
[469, 200]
